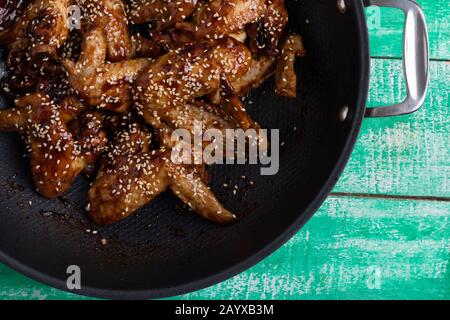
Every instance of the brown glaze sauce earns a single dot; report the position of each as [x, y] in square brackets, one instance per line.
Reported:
[10, 10]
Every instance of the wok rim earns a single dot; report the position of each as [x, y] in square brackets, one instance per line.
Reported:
[265, 251]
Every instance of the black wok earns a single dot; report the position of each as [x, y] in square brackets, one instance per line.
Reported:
[164, 249]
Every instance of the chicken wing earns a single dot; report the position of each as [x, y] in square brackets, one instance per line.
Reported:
[129, 182]
[262, 67]
[10, 10]
[142, 47]
[265, 33]
[106, 85]
[218, 18]
[33, 41]
[192, 71]
[110, 16]
[42, 28]
[19, 118]
[234, 107]
[193, 117]
[87, 130]
[285, 76]
[56, 157]
[174, 38]
[197, 112]
[162, 13]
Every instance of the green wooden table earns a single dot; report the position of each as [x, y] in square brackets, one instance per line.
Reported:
[384, 232]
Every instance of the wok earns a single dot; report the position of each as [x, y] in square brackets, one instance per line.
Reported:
[165, 250]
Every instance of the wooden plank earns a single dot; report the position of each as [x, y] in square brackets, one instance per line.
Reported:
[386, 29]
[407, 155]
[351, 243]
[353, 248]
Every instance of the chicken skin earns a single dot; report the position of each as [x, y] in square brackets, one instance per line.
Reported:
[174, 38]
[108, 98]
[10, 10]
[186, 116]
[106, 85]
[55, 156]
[19, 118]
[218, 18]
[178, 77]
[87, 130]
[42, 28]
[142, 47]
[193, 117]
[285, 76]
[132, 176]
[162, 13]
[265, 33]
[234, 107]
[110, 16]
[261, 69]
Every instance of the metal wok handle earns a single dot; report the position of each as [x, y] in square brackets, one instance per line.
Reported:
[415, 58]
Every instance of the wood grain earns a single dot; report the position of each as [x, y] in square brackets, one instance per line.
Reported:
[361, 244]
[354, 249]
[407, 155]
[386, 29]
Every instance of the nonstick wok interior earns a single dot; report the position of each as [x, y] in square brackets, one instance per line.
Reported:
[165, 249]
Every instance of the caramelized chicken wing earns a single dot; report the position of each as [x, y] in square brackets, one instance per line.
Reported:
[193, 116]
[110, 16]
[233, 106]
[161, 13]
[42, 28]
[142, 47]
[56, 157]
[87, 130]
[174, 38]
[185, 33]
[32, 42]
[10, 10]
[19, 118]
[285, 76]
[265, 33]
[197, 112]
[94, 99]
[218, 18]
[261, 69]
[106, 85]
[193, 71]
[129, 181]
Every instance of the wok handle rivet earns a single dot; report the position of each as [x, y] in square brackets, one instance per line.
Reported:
[343, 113]
[341, 6]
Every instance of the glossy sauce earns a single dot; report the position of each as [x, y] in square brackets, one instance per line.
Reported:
[10, 10]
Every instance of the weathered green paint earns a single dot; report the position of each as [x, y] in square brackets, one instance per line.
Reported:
[352, 242]
[336, 255]
[407, 155]
[386, 29]
[345, 246]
